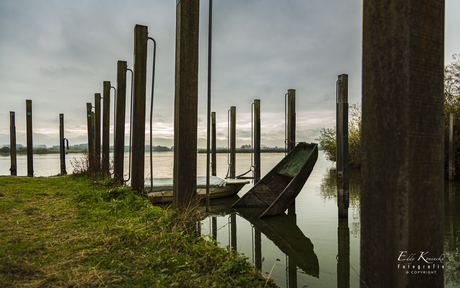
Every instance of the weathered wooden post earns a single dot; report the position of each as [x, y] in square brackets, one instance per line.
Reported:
[232, 142]
[97, 131]
[14, 165]
[343, 170]
[186, 102]
[214, 228]
[291, 120]
[256, 140]
[208, 113]
[90, 137]
[30, 148]
[402, 143]
[119, 142]
[452, 146]
[138, 134]
[105, 127]
[213, 142]
[343, 257]
[92, 152]
[62, 144]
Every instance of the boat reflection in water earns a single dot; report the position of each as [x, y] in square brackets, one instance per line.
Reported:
[283, 231]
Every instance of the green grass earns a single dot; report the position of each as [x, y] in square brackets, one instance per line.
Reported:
[71, 231]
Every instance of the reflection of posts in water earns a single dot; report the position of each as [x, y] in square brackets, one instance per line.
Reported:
[452, 244]
[233, 231]
[402, 140]
[451, 146]
[214, 228]
[291, 267]
[343, 257]
[258, 248]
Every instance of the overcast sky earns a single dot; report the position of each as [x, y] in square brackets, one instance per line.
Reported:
[58, 53]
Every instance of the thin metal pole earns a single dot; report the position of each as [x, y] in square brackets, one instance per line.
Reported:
[208, 118]
[151, 111]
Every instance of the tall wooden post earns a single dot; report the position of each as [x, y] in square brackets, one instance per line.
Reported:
[97, 131]
[291, 120]
[119, 143]
[139, 85]
[232, 142]
[62, 144]
[14, 165]
[30, 147]
[89, 125]
[402, 143]
[213, 145]
[256, 140]
[105, 127]
[452, 146]
[186, 102]
[92, 153]
[342, 146]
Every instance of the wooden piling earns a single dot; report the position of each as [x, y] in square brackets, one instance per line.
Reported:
[30, 148]
[14, 165]
[139, 85]
[97, 131]
[186, 103]
[402, 142]
[291, 120]
[256, 140]
[343, 170]
[89, 126]
[105, 127]
[92, 153]
[452, 146]
[119, 141]
[213, 145]
[232, 142]
[62, 144]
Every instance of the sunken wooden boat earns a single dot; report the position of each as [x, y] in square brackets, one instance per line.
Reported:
[278, 189]
[162, 189]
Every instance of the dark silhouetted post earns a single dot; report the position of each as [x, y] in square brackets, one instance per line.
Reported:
[139, 85]
[30, 148]
[256, 140]
[452, 146]
[119, 142]
[62, 144]
[343, 170]
[106, 127]
[213, 142]
[97, 132]
[291, 120]
[232, 142]
[186, 102]
[92, 152]
[90, 137]
[402, 143]
[14, 163]
[233, 231]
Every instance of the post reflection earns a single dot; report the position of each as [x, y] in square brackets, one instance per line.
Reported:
[343, 257]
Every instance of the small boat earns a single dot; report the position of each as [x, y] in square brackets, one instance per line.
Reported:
[278, 189]
[162, 188]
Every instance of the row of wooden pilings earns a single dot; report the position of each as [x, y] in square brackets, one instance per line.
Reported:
[29, 141]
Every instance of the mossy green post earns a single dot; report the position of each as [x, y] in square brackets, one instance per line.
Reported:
[402, 142]
[186, 103]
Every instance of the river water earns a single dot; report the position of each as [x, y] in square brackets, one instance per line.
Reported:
[307, 247]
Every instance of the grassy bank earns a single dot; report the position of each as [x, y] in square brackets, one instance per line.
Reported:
[69, 231]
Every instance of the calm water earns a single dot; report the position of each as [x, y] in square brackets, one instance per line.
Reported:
[307, 247]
